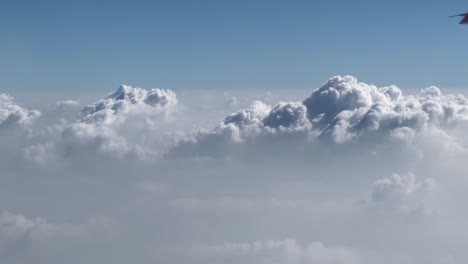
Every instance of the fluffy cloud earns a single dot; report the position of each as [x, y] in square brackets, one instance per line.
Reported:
[108, 126]
[251, 116]
[129, 122]
[345, 110]
[309, 168]
[127, 100]
[12, 114]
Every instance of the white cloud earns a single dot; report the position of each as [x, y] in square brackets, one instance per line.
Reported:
[103, 122]
[109, 127]
[251, 116]
[126, 100]
[294, 168]
[343, 110]
[12, 114]
[67, 104]
[403, 193]
[291, 115]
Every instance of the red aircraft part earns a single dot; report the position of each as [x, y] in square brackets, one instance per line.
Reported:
[465, 19]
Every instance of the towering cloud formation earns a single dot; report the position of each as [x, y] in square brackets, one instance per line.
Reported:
[117, 126]
[103, 122]
[345, 110]
[259, 185]
[127, 100]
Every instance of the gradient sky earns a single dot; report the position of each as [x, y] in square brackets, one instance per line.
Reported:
[55, 45]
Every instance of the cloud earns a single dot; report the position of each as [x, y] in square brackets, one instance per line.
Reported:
[231, 102]
[403, 193]
[107, 127]
[127, 100]
[346, 110]
[19, 234]
[129, 123]
[68, 104]
[191, 183]
[251, 116]
[287, 251]
[342, 111]
[12, 114]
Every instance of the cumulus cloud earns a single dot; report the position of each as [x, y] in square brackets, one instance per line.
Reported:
[316, 166]
[126, 100]
[108, 126]
[12, 114]
[344, 110]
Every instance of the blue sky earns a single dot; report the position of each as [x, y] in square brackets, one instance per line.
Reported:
[208, 44]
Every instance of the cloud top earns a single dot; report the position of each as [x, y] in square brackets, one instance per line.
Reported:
[13, 114]
[127, 99]
[344, 110]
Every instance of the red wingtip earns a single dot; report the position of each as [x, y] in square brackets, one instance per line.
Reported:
[464, 20]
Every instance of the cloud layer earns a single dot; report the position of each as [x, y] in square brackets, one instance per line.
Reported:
[346, 173]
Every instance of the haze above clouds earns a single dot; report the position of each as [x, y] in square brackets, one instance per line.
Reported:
[348, 173]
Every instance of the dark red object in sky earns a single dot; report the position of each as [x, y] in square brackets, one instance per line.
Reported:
[465, 18]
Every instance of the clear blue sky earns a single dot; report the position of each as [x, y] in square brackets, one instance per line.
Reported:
[231, 44]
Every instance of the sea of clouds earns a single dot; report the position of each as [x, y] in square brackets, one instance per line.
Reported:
[346, 173]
